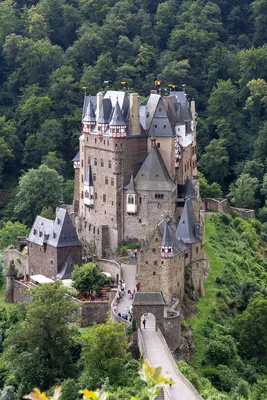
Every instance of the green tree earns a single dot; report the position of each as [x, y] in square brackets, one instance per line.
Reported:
[8, 393]
[243, 191]
[88, 278]
[9, 233]
[38, 188]
[39, 350]
[48, 212]
[260, 143]
[8, 19]
[251, 329]
[68, 191]
[214, 161]
[54, 162]
[104, 353]
[208, 190]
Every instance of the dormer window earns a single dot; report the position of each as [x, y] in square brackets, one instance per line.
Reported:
[54, 235]
[131, 199]
[34, 231]
[58, 221]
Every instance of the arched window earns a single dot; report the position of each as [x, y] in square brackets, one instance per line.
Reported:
[131, 199]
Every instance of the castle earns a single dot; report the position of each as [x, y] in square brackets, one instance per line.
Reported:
[136, 178]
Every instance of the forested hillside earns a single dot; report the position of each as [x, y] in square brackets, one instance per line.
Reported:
[50, 49]
[231, 326]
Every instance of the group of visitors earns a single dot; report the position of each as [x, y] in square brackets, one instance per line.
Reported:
[128, 315]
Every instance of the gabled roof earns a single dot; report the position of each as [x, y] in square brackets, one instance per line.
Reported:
[131, 189]
[148, 299]
[117, 118]
[88, 177]
[151, 108]
[57, 233]
[90, 113]
[153, 174]
[105, 111]
[66, 269]
[186, 230]
[122, 99]
[85, 103]
[160, 124]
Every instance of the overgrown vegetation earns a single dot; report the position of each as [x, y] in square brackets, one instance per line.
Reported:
[230, 329]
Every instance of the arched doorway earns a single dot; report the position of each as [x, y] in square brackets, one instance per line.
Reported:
[150, 322]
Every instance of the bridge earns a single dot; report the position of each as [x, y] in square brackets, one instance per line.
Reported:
[152, 344]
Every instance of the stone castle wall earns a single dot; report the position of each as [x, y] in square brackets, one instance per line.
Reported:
[20, 261]
[110, 266]
[149, 212]
[221, 205]
[21, 293]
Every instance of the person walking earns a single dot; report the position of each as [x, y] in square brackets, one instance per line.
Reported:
[144, 323]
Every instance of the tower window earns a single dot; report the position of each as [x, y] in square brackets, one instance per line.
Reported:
[153, 250]
[95, 140]
[164, 126]
[154, 273]
[155, 263]
[158, 144]
[109, 163]
[159, 196]
[131, 199]
[156, 126]
[140, 200]
[95, 161]
[95, 196]
[82, 178]
[81, 194]
[112, 181]
[104, 197]
[82, 163]
[94, 177]
[106, 180]
[102, 163]
[116, 144]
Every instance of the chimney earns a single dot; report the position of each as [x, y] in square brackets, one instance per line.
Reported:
[134, 120]
[99, 99]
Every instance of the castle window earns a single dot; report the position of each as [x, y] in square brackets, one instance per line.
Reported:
[164, 126]
[169, 250]
[95, 138]
[130, 199]
[104, 197]
[102, 163]
[112, 203]
[117, 130]
[108, 142]
[95, 161]
[140, 221]
[156, 239]
[146, 262]
[112, 219]
[112, 181]
[31, 244]
[82, 163]
[158, 144]
[82, 178]
[155, 263]
[104, 142]
[87, 138]
[89, 160]
[94, 230]
[106, 180]
[51, 262]
[95, 196]
[109, 163]
[159, 196]
[162, 262]
[116, 144]
[186, 255]
[160, 109]
[153, 250]
[156, 126]
[34, 231]
[89, 227]
[140, 200]
[81, 194]
[98, 231]
[154, 273]
[94, 177]
[197, 250]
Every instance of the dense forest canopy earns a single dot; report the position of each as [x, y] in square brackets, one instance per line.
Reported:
[50, 49]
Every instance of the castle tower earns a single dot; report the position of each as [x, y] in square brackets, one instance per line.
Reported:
[167, 243]
[117, 125]
[89, 119]
[10, 285]
[76, 197]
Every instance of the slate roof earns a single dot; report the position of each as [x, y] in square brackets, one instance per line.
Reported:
[66, 268]
[187, 226]
[131, 189]
[170, 239]
[85, 103]
[153, 174]
[77, 157]
[117, 118]
[151, 108]
[90, 112]
[189, 189]
[148, 299]
[57, 233]
[105, 111]
[122, 99]
[88, 177]
[160, 124]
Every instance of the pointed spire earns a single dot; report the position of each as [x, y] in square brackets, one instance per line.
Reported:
[186, 226]
[167, 239]
[88, 177]
[117, 118]
[90, 113]
[131, 188]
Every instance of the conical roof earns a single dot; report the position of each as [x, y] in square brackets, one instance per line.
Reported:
[187, 224]
[105, 112]
[153, 174]
[90, 113]
[88, 177]
[131, 189]
[167, 240]
[117, 118]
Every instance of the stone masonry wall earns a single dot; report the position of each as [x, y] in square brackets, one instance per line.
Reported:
[149, 212]
[90, 312]
[157, 311]
[21, 292]
[112, 162]
[110, 266]
[159, 274]
[45, 261]
[20, 261]
[172, 330]
[221, 205]
[197, 257]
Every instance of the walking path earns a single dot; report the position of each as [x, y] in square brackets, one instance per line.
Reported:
[128, 272]
[157, 355]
